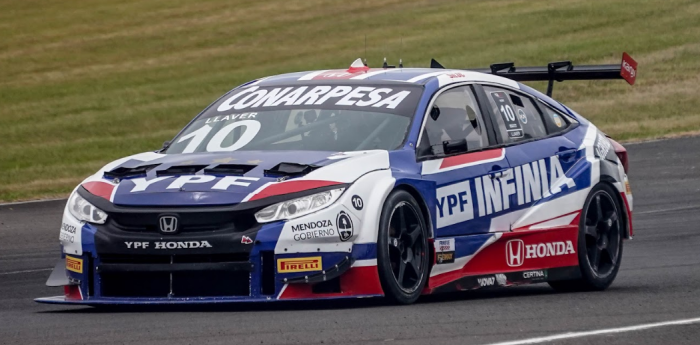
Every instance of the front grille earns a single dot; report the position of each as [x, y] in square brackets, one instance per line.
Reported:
[176, 259]
[188, 221]
[184, 284]
[136, 283]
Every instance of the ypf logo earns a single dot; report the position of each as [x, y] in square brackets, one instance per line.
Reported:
[168, 224]
[515, 253]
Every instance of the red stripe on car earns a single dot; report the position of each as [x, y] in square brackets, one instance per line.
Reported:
[291, 187]
[357, 281]
[99, 188]
[474, 157]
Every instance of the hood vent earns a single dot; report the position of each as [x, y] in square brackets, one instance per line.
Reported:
[180, 170]
[123, 172]
[230, 169]
[290, 170]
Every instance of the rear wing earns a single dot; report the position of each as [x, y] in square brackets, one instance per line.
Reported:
[560, 71]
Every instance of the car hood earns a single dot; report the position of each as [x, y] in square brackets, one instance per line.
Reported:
[201, 179]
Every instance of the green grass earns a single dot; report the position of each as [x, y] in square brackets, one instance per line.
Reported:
[86, 82]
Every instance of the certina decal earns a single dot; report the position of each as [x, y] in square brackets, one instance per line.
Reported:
[169, 245]
[74, 264]
[142, 184]
[344, 225]
[292, 265]
[483, 195]
[486, 281]
[540, 274]
[358, 96]
[517, 251]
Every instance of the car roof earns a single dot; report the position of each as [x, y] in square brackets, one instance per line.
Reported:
[420, 76]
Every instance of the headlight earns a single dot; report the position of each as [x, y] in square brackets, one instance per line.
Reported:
[85, 211]
[298, 207]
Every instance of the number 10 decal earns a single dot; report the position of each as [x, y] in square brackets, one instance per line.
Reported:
[216, 142]
[506, 109]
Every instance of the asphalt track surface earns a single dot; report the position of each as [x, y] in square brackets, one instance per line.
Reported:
[659, 281]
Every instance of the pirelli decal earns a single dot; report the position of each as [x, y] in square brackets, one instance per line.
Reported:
[74, 264]
[292, 265]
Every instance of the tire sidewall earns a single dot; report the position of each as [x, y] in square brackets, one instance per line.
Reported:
[587, 273]
[386, 276]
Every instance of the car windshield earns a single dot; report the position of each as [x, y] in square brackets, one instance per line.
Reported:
[315, 117]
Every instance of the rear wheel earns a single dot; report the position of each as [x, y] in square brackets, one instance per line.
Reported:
[402, 253]
[599, 242]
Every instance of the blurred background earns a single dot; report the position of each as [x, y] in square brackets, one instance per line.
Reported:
[85, 82]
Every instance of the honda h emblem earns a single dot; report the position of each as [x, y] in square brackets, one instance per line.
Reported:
[168, 224]
[515, 253]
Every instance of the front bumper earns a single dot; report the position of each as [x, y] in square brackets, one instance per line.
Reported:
[344, 280]
[233, 266]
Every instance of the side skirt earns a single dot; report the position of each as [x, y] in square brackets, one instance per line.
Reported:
[510, 279]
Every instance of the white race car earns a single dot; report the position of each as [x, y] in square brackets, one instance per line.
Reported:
[362, 182]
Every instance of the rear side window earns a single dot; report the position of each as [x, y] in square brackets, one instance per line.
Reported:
[517, 116]
[556, 121]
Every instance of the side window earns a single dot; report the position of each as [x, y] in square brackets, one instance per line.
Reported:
[454, 124]
[517, 116]
[557, 122]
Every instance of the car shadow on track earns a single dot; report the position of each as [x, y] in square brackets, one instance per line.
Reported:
[313, 305]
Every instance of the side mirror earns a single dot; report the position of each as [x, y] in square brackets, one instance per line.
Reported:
[455, 146]
[166, 144]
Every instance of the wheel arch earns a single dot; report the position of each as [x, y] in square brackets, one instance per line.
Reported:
[422, 204]
[610, 181]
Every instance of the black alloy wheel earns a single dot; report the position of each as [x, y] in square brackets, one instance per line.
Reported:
[602, 233]
[403, 251]
[601, 230]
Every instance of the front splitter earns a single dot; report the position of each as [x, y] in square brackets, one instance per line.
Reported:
[179, 301]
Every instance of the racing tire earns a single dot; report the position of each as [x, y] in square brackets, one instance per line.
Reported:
[599, 242]
[402, 248]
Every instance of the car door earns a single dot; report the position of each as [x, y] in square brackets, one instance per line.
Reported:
[456, 152]
[539, 156]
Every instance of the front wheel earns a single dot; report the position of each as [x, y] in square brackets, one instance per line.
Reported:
[402, 253]
[599, 242]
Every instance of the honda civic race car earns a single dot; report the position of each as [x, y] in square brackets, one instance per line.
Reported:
[394, 182]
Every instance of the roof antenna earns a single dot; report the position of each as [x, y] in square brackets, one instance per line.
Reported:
[400, 53]
[384, 65]
[365, 50]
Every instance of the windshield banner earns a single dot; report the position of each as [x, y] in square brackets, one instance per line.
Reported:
[396, 99]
